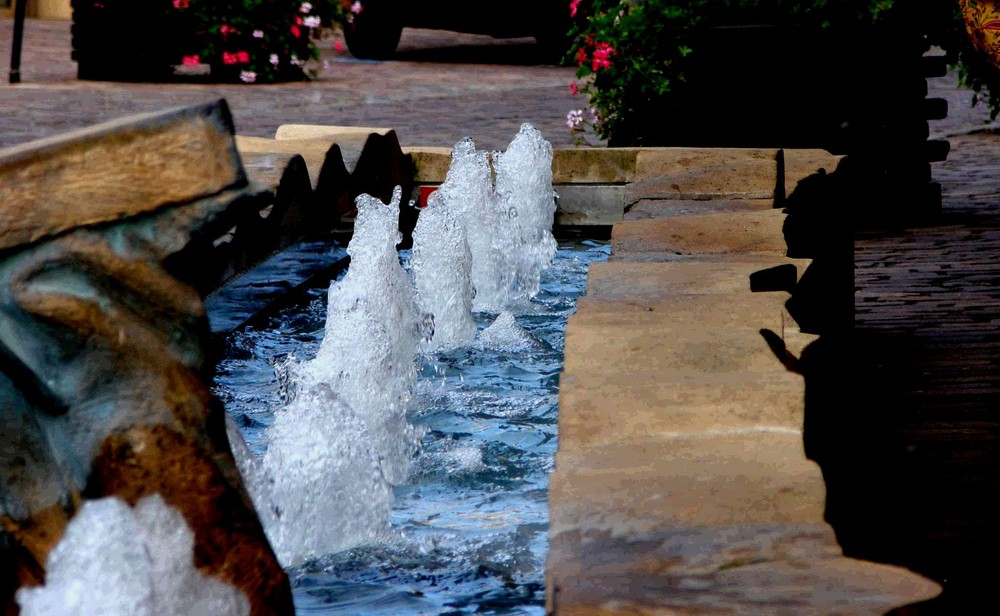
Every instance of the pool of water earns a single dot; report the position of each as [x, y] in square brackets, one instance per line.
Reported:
[469, 526]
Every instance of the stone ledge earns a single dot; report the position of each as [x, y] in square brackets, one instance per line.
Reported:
[641, 204]
[786, 570]
[717, 478]
[756, 232]
[700, 333]
[601, 408]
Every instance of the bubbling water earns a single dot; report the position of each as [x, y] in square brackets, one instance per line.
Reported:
[114, 560]
[342, 441]
[507, 211]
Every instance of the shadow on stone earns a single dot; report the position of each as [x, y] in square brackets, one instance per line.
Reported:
[864, 422]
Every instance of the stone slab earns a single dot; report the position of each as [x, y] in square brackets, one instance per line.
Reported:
[757, 232]
[589, 204]
[116, 170]
[641, 206]
[273, 153]
[600, 408]
[594, 165]
[801, 163]
[269, 167]
[430, 164]
[706, 333]
[329, 134]
[720, 478]
[622, 280]
[778, 570]
[750, 173]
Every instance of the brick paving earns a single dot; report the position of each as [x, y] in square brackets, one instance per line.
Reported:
[443, 87]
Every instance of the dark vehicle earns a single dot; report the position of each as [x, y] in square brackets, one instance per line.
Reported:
[373, 33]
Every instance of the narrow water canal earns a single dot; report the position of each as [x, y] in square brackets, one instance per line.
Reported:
[469, 525]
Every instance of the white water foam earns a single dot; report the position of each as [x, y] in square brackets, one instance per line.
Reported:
[524, 186]
[507, 210]
[341, 441]
[505, 334]
[114, 560]
[442, 273]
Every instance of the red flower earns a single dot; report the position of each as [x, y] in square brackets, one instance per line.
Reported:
[225, 29]
[572, 7]
[182, 4]
[573, 88]
[581, 56]
[295, 31]
[602, 56]
[191, 60]
[235, 58]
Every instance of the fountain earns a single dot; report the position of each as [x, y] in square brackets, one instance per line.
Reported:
[341, 442]
[336, 449]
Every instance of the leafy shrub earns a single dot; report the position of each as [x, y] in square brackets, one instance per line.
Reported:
[634, 57]
[253, 41]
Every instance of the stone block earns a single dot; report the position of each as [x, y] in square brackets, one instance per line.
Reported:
[598, 408]
[272, 152]
[589, 204]
[624, 281]
[116, 170]
[594, 165]
[328, 134]
[430, 164]
[706, 333]
[747, 173]
[716, 235]
[782, 570]
[719, 478]
[642, 204]
[801, 163]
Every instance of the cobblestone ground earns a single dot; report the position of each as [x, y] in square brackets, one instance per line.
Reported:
[443, 87]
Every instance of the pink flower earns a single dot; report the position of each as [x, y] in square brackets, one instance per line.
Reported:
[356, 8]
[191, 60]
[338, 46]
[573, 88]
[574, 119]
[602, 55]
[572, 7]
[182, 4]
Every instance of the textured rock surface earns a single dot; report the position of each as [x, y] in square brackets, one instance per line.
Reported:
[105, 373]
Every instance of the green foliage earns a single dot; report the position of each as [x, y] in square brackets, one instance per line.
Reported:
[633, 56]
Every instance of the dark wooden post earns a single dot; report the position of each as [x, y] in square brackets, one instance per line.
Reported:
[15, 49]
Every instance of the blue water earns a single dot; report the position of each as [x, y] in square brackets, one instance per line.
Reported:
[471, 522]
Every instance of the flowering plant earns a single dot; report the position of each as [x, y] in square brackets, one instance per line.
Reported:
[634, 58]
[251, 41]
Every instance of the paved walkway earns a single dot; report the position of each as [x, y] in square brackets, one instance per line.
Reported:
[443, 87]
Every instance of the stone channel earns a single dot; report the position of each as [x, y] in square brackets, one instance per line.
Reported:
[681, 483]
